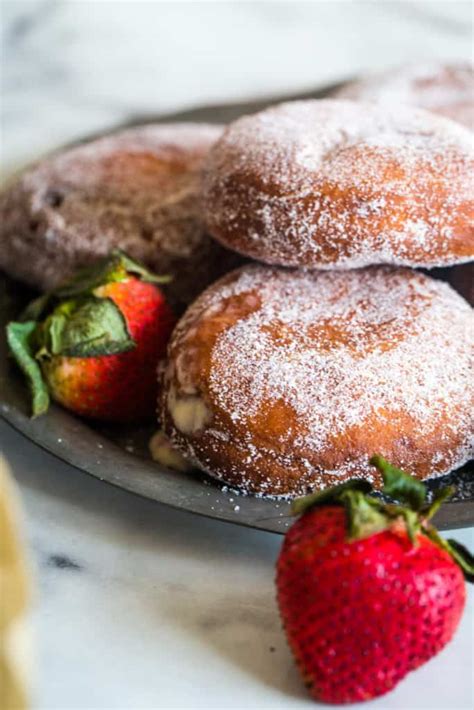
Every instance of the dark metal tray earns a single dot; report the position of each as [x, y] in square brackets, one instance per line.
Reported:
[119, 455]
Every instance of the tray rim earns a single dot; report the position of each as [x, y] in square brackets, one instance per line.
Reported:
[461, 513]
[52, 452]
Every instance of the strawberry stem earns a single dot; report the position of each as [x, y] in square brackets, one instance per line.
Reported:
[363, 518]
[458, 552]
[400, 485]
[439, 498]
[117, 266]
[368, 515]
[328, 495]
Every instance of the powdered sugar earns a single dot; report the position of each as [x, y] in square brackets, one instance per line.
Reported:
[447, 89]
[338, 184]
[334, 388]
[379, 349]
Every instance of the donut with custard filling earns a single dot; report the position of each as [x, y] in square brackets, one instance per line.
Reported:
[281, 382]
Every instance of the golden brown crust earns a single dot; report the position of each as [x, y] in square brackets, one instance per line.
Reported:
[279, 382]
[136, 189]
[339, 184]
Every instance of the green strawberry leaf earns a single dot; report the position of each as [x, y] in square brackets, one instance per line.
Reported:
[463, 557]
[115, 267]
[363, 517]
[412, 523]
[440, 496]
[88, 327]
[20, 337]
[458, 552]
[400, 485]
[106, 270]
[368, 515]
[329, 495]
[134, 267]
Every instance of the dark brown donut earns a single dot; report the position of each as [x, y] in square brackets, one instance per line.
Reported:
[136, 189]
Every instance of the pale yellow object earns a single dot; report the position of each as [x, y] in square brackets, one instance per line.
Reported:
[14, 595]
[163, 452]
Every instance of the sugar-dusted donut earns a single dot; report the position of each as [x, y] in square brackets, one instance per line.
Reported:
[136, 189]
[443, 88]
[280, 382]
[341, 184]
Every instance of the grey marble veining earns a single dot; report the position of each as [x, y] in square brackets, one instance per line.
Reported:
[140, 606]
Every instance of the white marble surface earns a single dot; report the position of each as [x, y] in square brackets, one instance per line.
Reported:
[139, 606]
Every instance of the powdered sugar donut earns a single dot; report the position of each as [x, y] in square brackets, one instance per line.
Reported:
[136, 189]
[281, 382]
[341, 184]
[446, 89]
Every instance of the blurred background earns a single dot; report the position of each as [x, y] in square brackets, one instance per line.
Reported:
[72, 67]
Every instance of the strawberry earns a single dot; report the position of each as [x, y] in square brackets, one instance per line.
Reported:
[367, 590]
[94, 343]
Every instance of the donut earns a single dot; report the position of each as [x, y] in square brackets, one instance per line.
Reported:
[136, 189]
[339, 184]
[281, 382]
[445, 89]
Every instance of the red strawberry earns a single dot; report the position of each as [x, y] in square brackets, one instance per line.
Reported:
[368, 591]
[97, 345]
